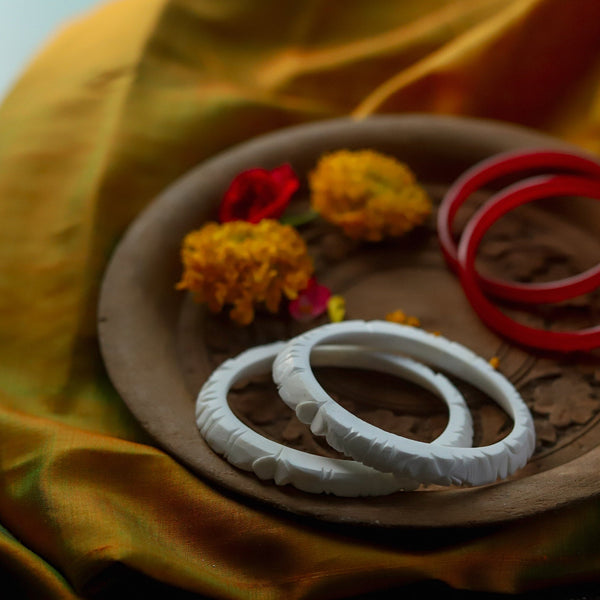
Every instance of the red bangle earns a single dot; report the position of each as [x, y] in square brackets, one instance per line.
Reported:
[498, 166]
[513, 196]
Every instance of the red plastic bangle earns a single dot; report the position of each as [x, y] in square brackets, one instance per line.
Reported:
[508, 199]
[506, 164]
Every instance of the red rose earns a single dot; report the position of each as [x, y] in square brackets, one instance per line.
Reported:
[258, 194]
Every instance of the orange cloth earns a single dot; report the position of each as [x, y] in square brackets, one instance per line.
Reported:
[117, 106]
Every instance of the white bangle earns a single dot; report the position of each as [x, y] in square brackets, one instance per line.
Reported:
[387, 452]
[247, 449]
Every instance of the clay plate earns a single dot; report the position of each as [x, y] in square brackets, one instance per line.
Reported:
[159, 345]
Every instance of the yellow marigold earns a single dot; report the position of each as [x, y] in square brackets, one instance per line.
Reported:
[243, 265]
[368, 194]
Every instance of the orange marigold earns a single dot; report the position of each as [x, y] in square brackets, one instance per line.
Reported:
[368, 194]
[399, 316]
[244, 265]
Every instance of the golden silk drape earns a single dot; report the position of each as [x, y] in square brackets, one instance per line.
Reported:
[116, 106]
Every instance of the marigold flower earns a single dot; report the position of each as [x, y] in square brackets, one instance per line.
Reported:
[495, 362]
[310, 302]
[368, 194]
[258, 194]
[244, 265]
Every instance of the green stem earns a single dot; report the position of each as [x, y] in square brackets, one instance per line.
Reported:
[299, 219]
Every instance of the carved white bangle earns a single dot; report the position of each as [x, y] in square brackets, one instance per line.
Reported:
[247, 449]
[429, 463]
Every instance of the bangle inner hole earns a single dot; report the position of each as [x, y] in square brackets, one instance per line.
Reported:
[389, 402]
[534, 243]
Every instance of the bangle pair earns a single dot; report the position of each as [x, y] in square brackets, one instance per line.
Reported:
[382, 462]
[583, 180]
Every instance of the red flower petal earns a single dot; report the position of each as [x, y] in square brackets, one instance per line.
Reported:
[311, 302]
[258, 194]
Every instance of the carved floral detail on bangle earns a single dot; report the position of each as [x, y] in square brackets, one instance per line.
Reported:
[367, 194]
[244, 265]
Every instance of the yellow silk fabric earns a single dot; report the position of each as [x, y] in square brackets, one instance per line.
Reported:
[117, 106]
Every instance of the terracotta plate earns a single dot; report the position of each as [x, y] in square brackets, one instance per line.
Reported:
[159, 346]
